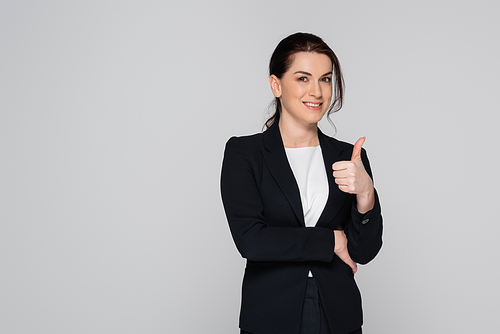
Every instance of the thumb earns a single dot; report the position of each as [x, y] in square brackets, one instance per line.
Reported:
[356, 151]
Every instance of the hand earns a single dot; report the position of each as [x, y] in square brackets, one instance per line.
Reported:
[352, 178]
[341, 250]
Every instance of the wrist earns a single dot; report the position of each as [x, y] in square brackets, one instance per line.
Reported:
[365, 201]
[366, 194]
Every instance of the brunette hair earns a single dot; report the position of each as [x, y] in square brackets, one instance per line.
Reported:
[282, 59]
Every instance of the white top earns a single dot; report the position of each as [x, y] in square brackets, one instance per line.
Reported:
[309, 170]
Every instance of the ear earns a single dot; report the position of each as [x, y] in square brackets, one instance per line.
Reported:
[275, 85]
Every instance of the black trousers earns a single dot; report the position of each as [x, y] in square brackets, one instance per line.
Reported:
[313, 317]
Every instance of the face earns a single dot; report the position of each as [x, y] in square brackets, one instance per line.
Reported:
[305, 90]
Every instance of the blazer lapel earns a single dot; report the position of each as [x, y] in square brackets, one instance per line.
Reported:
[332, 152]
[277, 162]
[275, 157]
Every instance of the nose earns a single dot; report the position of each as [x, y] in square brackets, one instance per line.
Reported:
[315, 89]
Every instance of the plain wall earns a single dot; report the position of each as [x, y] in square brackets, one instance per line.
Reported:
[113, 120]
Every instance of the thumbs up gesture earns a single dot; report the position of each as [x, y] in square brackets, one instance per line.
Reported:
[352, 178]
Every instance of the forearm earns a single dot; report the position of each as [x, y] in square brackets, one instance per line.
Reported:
[296, 244]
[364, 233]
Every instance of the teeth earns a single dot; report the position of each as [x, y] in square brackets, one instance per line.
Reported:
[312, 104]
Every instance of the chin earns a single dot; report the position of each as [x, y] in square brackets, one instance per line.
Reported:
[316, 119]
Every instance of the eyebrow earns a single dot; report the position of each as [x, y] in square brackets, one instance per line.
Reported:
[307, 73]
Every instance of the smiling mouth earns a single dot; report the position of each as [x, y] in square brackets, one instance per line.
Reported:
[312, 104]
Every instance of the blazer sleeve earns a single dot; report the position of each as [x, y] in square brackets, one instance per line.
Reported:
[364, 231]
[255, 238]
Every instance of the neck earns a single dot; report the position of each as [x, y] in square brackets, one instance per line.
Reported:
[294, 135]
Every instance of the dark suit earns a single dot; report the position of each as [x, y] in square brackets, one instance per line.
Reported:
[262, 203]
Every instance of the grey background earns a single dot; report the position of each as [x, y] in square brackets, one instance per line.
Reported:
[113, 120]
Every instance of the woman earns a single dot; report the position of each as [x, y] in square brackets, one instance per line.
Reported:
[301, 205]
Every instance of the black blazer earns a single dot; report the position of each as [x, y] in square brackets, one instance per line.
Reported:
[263, 207]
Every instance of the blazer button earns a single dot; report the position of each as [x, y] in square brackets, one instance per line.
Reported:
[365, 221]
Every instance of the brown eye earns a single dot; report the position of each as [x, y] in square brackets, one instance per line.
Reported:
[303, 79]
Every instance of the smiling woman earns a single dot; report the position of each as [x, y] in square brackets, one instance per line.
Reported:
[300, 205]
[285, 55]
[305, 92]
